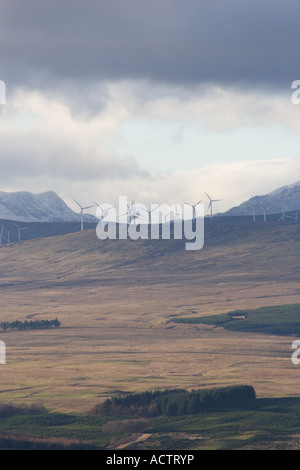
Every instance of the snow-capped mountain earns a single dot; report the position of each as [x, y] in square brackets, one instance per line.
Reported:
[286, 198]
[45, 207]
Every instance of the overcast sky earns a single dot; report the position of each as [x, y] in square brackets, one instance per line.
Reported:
[158, 100]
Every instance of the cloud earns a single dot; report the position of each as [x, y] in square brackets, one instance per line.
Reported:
[224, 108]
[232, 182]
[220, 41]
[42, 138]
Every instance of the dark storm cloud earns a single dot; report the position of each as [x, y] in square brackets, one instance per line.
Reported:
[176, 41]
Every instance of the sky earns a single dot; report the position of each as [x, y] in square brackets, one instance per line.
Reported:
[159, 101]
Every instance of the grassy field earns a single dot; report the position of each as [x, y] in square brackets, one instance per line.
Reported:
[275, 320]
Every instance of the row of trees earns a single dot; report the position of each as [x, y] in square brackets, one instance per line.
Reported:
[176, 402]
[30, 325]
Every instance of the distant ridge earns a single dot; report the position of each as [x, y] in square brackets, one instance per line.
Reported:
[286, 198]
[24, 206]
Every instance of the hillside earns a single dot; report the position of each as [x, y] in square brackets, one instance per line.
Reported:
[115, 299]
[30, 230]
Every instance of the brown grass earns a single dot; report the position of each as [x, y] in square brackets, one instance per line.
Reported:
[114, 299]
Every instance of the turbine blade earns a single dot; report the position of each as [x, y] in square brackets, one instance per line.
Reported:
[77, 202]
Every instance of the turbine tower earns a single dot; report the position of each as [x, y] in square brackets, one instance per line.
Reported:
[149, 213]
[265, 215]
[19, 230]
[177, 214]
[194, 208]
[253, 211]
[210, 206]
[81, 212]
[1, 235]
[166, 216]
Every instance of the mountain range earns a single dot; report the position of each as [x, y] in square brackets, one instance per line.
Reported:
[49, 207]
[286, 198]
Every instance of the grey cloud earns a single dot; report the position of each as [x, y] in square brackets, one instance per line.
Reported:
[63, 162]
[173, 41]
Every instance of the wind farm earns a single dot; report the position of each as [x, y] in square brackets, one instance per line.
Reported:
[124, 308]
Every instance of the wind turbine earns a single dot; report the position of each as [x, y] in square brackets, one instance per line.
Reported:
[149, 212]
[177, 214]
[295, 217]
[253, 211]
[166, 216]
[282, 218]
[265, 215]
[210, 206]
[81, 212]
[19, 230]
[103, 210]
[1, 235]
[132, 213]
[133, 217]
[194, 208]
[291, 217]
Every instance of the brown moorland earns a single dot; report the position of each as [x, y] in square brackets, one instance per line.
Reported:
[115, 298]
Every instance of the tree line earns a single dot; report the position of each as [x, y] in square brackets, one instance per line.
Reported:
[176, 402]
[30, 325]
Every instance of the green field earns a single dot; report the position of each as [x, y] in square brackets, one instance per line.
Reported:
[266, 423]
[276, 320]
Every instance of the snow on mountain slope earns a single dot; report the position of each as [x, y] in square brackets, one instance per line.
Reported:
[44, 207]
[286, 198]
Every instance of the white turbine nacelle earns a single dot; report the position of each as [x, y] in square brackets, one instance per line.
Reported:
[193, 206]
[104, 211]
